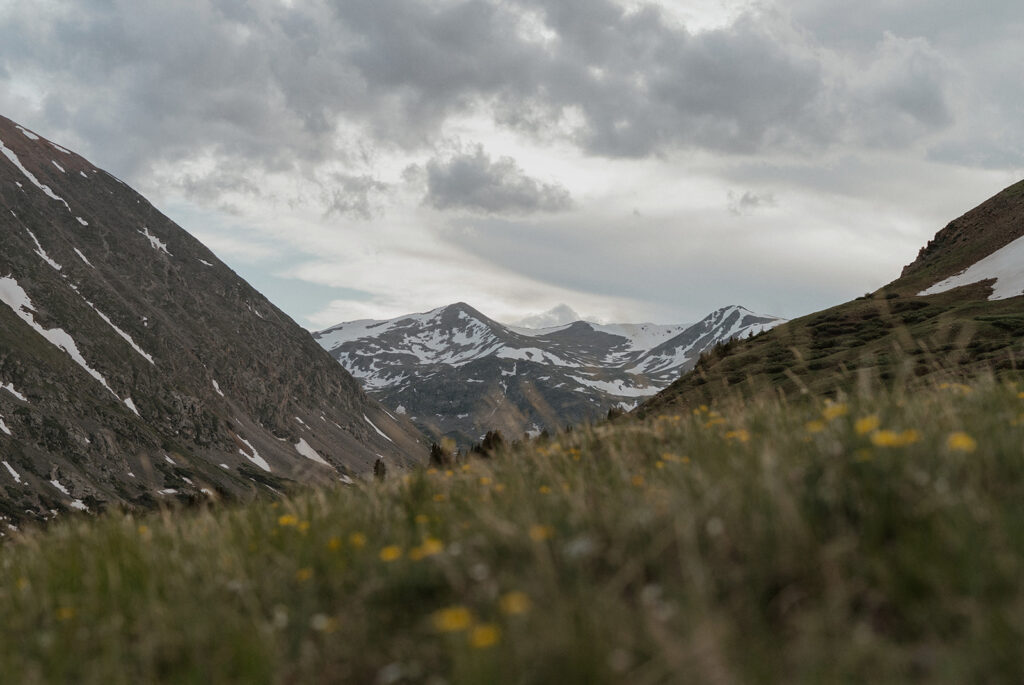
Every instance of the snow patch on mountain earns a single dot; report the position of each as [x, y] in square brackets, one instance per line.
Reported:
[303, 448]
[17, 299]
[145, 355]
[253, 455]
[1006, 265]
[155, 242]
[617, 387]
[83, 257]
[374, 426]
[131, 405]
[533, 354]
[42, 253]
[9, 387]
[28, 134]
[14, 474]
[9, 154]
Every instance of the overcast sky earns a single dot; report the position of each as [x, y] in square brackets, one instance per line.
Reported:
[635, 161]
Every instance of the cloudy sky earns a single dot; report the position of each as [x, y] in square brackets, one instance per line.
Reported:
[630, 160]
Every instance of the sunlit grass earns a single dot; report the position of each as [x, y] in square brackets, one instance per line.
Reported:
[860, 540]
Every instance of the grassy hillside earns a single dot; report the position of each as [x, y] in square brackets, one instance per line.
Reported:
[879, 539]
[874, 341]
[886, 336]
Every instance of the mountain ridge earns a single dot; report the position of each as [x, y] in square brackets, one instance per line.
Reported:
[460, 373]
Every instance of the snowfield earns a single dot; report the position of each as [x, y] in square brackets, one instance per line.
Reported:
[1006, 265]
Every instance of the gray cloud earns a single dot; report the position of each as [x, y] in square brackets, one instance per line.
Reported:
[353, 195]
[276, 84]
[475, 182]
[749, 202]
[558, 315]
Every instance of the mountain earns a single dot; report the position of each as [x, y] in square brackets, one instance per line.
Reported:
[458, 373]
[135, 367]
[954, 313]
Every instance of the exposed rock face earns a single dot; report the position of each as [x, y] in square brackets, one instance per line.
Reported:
[135, 366]
[458, 373]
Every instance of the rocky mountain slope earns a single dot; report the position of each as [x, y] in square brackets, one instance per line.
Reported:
[136, 367]
[955, 312]
[458, 373]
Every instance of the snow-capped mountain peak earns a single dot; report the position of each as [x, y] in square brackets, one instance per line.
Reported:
[460, 372]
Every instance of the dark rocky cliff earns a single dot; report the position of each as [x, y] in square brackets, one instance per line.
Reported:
[135, 366]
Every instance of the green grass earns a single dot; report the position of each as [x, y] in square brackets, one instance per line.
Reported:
[772, 542]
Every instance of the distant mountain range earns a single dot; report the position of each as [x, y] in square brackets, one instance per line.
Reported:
[136, 368]
[954, 313]
[457, 373]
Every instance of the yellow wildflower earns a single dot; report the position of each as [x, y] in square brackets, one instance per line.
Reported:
[440, 497]
[288, 520]
[453, 619]
[866, 424]
[484, 635]
[539, 533]
[357, 540]
[391, 553]
[514, 603]
[638, 481]
[429, 548]
[303, 574]
[499, 487]
[334, 544]
[741, 434]
[484, 480]
[303, 526]
[544, 490]
[888, 438]
[833, 411]
[961, 442]
[814, 426]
